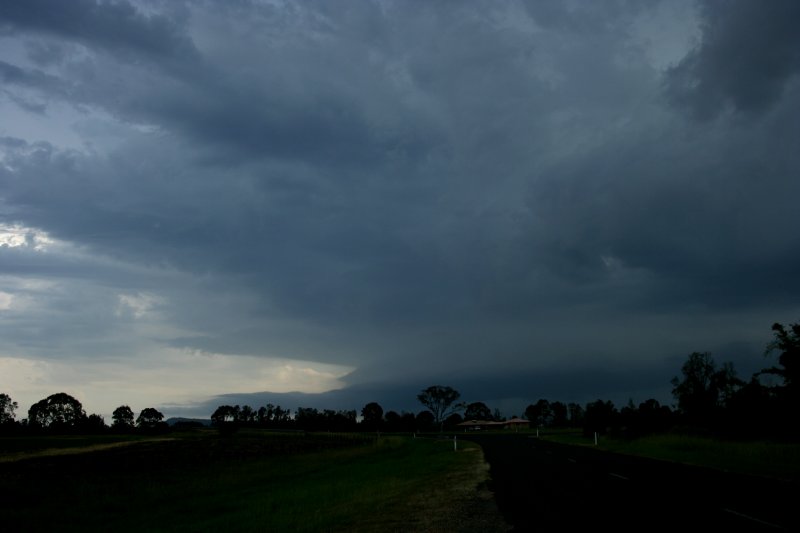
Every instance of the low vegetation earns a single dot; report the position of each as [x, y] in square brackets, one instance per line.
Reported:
[24, 445]
[762, 458]
[201, 481]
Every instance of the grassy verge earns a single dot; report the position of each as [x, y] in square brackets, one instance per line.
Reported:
[772, 459]
[26, 444]
[210, 484]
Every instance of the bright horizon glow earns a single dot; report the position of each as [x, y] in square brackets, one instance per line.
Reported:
[173, 377]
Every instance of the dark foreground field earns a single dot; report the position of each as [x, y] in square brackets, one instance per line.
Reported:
[545, 486]
[261, 481]
[249, 482]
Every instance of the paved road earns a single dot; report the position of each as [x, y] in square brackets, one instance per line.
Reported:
[543, 486]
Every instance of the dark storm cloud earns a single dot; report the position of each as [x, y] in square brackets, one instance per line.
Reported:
[377, 264]
[337, 235]
[12, 142]
[46, 53]
[116, 25]
[361, 233]
[748, 53]
[35, 79]
[583, 19]
[278, 110]
[703, 215]
[411, 189]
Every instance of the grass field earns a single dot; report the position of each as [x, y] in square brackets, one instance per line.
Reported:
[18, 448]
[762, 458]
[249, 482]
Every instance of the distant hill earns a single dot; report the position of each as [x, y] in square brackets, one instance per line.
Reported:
[196, 422]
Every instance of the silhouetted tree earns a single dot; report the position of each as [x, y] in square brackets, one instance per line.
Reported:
[704, 388]
[223, 414]
[94, 423]
[453, 420]
[149, 418]
[440, 401]
[372, 415]
[343, 420]
[532, 414]
[276, 416]
[224, 419]
[652, 417]
[628, 418]
[309, 419]
[754, 409]
[246, 415]
[477, 411]
[7, 409]
[560, 414]
[58, 411]
[392, 421]
[787, 344]
[408, 422]
[576, 414]
[540, 413]
[122, 418]
[425, 421]
[599, 417]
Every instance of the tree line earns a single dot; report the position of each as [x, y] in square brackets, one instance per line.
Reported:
[62, 413]
[710, 398]
[229, 418]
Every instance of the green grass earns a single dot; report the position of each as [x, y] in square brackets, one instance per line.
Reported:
[391, 483]
[762, 458]
[27, 444]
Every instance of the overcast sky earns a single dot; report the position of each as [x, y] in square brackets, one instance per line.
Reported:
[517, 199]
